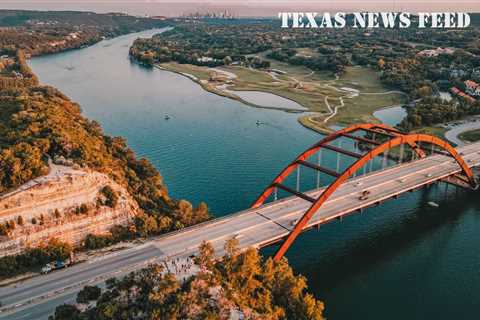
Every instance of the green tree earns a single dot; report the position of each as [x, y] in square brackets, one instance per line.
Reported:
[88, 293]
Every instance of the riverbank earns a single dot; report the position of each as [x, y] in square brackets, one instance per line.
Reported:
[217, 89]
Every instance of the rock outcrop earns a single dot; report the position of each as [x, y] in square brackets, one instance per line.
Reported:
[66, 204]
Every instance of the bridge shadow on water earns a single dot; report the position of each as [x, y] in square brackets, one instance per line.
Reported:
[343, 250]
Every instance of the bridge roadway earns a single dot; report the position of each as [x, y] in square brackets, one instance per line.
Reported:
[36, 298]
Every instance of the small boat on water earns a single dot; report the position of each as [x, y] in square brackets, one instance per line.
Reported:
[167, 117]
[433, 204]
[258, 123]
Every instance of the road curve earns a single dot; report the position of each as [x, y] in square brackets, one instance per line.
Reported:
[453, 133]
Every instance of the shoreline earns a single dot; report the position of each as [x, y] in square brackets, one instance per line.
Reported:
[226, 94]
[305, 120]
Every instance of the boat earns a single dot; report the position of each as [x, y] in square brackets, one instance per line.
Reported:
[167, 117]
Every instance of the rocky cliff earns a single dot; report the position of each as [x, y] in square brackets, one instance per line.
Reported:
[66, 204]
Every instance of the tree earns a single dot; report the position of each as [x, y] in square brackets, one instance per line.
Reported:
[259, 289]
[381, 63]
[66, 312]
[93, 242]
[206, 256]
[83, 208]
[58, 250]
[424, 91]
[20, 221]
[146, 225]
[88, 293]
[111, 197]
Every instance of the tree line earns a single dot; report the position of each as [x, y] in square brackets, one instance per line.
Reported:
[242, 282]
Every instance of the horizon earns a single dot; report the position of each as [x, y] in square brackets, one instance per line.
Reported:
[172, 8]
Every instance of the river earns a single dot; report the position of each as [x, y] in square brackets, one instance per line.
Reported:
[400, 260]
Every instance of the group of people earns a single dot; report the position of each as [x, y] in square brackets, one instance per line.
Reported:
[182, 268]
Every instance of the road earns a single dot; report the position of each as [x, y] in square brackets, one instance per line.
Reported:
[453, 133]
[252, 227]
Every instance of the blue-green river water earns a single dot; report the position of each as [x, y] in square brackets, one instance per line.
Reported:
[401, 260]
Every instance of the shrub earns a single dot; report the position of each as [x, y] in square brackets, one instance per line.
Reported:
[97, 241]
[111, 197]
[88, 293]
[83, 208]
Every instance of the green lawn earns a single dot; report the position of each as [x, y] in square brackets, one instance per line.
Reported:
[470, 136]
[199, 72]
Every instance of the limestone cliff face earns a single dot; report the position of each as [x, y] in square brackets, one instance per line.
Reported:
[66, 204]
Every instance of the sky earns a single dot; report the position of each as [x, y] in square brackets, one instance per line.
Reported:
[241, 8]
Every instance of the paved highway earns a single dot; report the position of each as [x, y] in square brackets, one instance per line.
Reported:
[36, 298]
[454, 132]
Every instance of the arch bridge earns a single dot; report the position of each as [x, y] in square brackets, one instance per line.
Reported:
[371, 141]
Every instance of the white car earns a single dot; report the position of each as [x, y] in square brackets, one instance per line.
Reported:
[47, 268]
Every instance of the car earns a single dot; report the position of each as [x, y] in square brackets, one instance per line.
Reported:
[47, 268]
[364, 195]
[59, 264]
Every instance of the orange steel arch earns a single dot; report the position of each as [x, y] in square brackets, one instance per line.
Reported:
[316, 147]
[398, 139]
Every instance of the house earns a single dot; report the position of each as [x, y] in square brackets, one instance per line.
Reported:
[472, 88]
[435, 52]
[427, 53]
[459, 93]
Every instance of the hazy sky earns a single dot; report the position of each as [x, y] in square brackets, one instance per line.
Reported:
[243, 8]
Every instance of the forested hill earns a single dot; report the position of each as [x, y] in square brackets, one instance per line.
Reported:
[112, 21]
[39, 32]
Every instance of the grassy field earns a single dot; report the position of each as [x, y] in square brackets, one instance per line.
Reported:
[198, 72]
[354, 96]
[470, 136]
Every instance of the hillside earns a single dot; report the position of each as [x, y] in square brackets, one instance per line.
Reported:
[39, 124]
[42, 32]
[67, 204]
